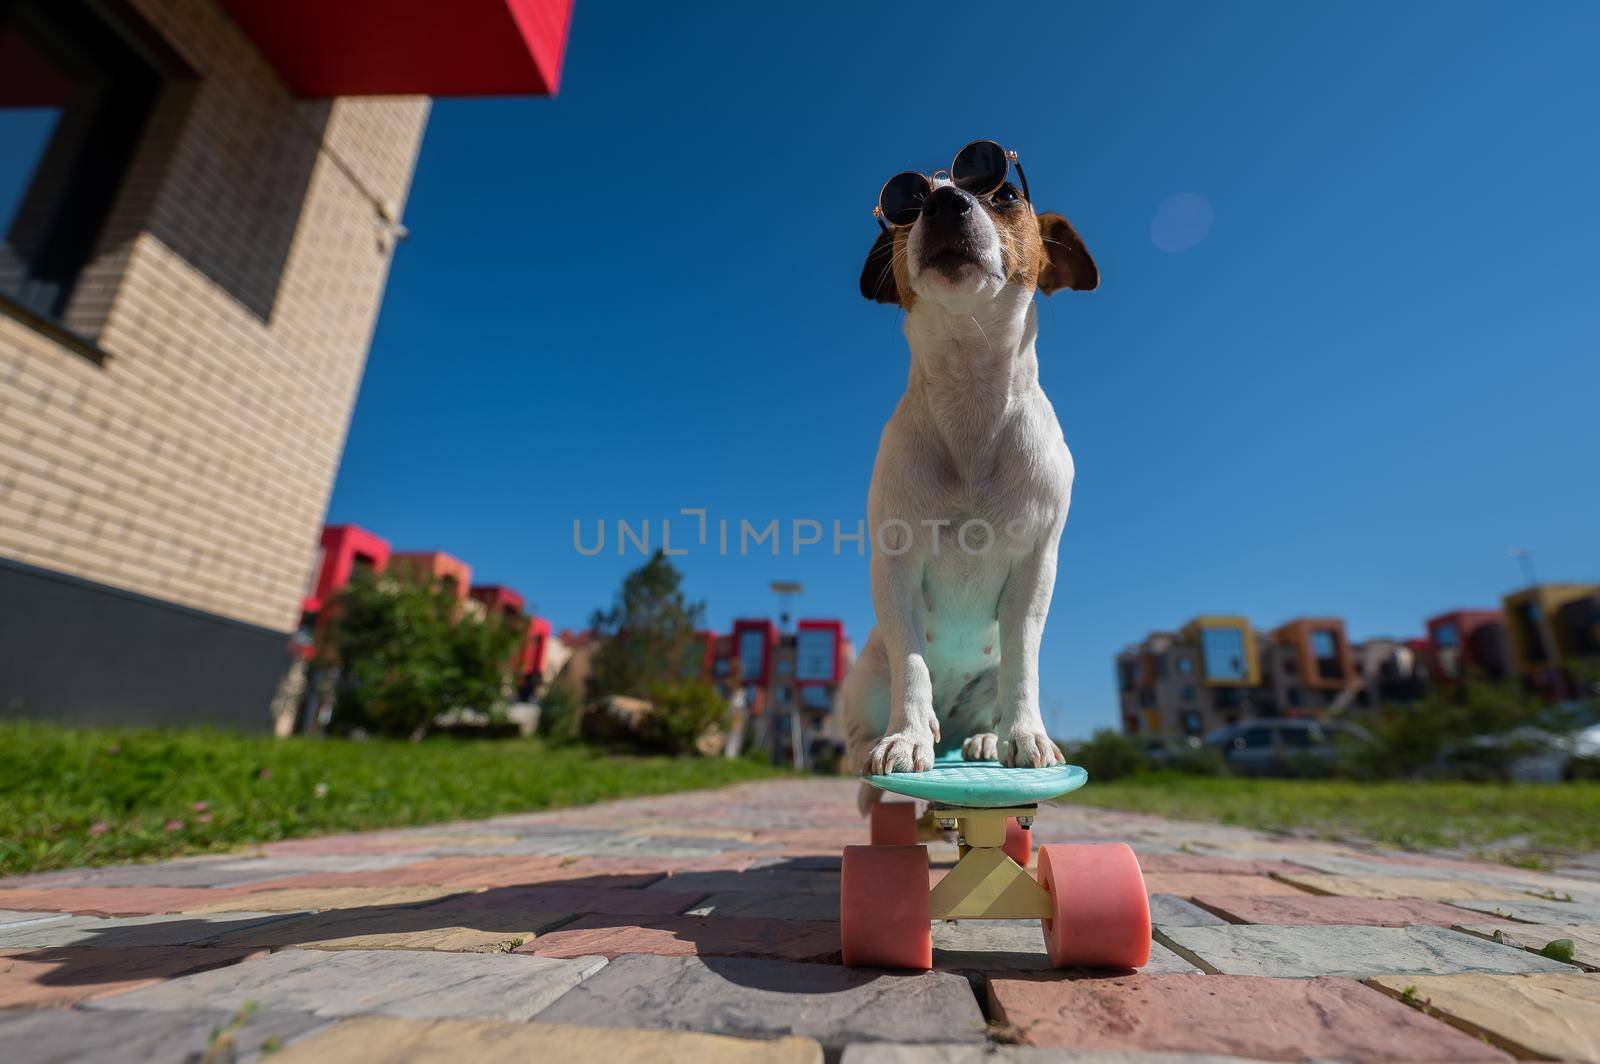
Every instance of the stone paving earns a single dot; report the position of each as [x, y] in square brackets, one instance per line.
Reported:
[704, 928]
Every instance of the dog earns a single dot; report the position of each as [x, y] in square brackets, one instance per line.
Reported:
[973, 445]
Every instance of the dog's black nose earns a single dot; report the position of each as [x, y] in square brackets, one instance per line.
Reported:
[947, 203]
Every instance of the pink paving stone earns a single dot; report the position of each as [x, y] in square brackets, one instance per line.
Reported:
[585, 900]
[685, 936]
[1206, 863]
[1188, 884]
[43, 977]
[1329, 909]
[116, 901]
[1233, 1015]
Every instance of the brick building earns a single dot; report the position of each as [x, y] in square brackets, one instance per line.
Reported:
[207, 200]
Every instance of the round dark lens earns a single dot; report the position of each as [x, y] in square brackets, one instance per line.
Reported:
[980, 168]
[902, 198]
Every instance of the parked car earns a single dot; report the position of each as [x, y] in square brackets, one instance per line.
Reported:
[1286, 747]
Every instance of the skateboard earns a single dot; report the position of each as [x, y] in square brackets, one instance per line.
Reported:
[1089, 898]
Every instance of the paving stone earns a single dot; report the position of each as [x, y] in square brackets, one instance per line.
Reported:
[1554, 1015]
[1331, 909]
[55, 1036]
[471, 873]
[410, 984]
[380, 1039]
[17, 917]
[1245, 1016]
[759, 880]
[886, 1053]
[317, 899]
[99, 932]
[1172, 911]
[209, 872]
[1188, 884]
[1532, 910]
[64, 976]
[1306, 950]
[114, 901]
[760, 999]
[1211, 864]
[1017, 946]
[1585, 938]
[767, 906]
[584, 900]
[455, 924]
[683, 936]
[1390, 887]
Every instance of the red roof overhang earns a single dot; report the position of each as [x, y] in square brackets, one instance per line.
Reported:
[404, 47]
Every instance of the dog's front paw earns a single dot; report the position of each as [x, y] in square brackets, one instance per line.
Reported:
[980, 747]
[906, 751]
[1029, 748]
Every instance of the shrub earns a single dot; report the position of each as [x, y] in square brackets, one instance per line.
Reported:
[1107, 755]
[681, 714]
[559, 713]
[1466, 733]
[406, 653]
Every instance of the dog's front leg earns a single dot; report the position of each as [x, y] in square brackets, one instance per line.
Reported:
[907, 746]
[1024, 603]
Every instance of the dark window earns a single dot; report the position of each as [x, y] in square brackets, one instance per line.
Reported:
[1253, 739]
[1325, 648]
[1226, 697]
[1147, 697]
[1187, 694]
[75, 92]
[1125, 672]
[1185, 665]
[1529, 621]
[1292, 696]
[1191, 723]
[1295, 736]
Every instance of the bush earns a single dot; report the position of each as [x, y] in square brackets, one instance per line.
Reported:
[681, 714]
[1445, 734]
[1107, 755]
[407, 653]
[559, 713]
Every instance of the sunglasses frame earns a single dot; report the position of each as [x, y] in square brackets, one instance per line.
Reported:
[1005, 153]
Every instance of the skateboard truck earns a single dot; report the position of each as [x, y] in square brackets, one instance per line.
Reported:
[987, 883]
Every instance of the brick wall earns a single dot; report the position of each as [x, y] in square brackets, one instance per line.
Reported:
[234, 291]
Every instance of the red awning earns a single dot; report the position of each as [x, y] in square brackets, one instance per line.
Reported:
[401, 47]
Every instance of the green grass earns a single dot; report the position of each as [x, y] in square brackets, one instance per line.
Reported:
[1519, 824]
[73, 797]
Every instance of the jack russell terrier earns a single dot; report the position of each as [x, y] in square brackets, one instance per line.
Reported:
[973, 478]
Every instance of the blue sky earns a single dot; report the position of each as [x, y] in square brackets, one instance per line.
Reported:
[1375, 370]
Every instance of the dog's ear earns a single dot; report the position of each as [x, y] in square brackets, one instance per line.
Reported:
[877, 276]
[1066, 261]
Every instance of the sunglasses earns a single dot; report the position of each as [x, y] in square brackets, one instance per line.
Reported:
[980, 169]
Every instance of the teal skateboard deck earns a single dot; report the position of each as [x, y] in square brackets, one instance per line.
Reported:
[982, 784]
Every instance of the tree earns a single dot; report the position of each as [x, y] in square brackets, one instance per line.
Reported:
[407, 652]
[645, 634]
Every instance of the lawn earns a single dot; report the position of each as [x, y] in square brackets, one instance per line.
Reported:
[74, 797]
[1519, 824]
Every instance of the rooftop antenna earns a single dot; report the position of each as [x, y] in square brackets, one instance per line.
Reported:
[786, 590]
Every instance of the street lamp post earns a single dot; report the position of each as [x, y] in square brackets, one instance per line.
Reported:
[786, 590]
[1546, 631]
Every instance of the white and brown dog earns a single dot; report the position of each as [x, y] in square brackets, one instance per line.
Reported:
[970, 489]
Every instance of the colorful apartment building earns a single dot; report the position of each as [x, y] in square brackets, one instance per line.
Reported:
[1550, 627]
[208, 201]
[1218, 670]
[789, 681]
[1468, 643]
